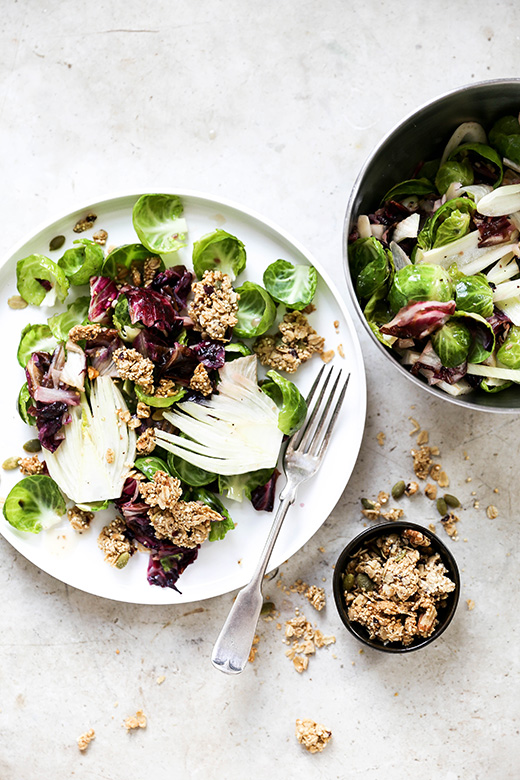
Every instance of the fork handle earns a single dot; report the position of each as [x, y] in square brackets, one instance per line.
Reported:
[234, 642]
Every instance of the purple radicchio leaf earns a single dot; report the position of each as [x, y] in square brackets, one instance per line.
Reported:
[175, 283]
[493, 230]
[100, 351]
[50, 418]
[500, 323]
[177, 362]
[151, 308]
[419, 319]
[165, 567]
[103, 293]
[262, 497]
[210, 353]
[430, 366]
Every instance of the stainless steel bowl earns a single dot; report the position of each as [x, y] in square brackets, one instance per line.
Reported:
[423, 135]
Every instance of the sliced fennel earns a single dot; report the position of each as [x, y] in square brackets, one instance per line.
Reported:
[511, 307]
[465, 253]
[93, 461]
[233, 432]
[501, 202]
[495, 372]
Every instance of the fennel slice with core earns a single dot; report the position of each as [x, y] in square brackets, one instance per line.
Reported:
[81, 465]
[233, 432]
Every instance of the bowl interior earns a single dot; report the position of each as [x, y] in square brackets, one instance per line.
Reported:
[423, 136]
[445, 614]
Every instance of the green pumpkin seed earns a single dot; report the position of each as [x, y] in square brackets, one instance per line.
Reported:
[10, 464]
[17, 302]
[122, 560]
[442, 506]
[398, 489]
[367, 504]
[56, 243]
[33, 445]
[364, 582]
[267, 608]
[348, 581]
[452, 501]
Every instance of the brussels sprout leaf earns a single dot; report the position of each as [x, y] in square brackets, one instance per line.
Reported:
[40, 280]
[34, 504]
[293, 285]
[289, 400]
[219, 251]
[256, 311]
[82, 262]
[159, 223]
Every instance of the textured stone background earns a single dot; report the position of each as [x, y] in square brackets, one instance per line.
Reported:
[275, 105]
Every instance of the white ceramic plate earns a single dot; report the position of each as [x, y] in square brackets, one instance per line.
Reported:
[228, 564]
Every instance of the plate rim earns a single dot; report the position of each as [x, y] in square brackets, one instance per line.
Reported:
[206, 198]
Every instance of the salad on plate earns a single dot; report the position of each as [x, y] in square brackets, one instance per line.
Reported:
[143, 386]
[436, 266]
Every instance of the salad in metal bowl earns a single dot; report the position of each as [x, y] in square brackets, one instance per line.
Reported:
[144, 392]
[436, 266]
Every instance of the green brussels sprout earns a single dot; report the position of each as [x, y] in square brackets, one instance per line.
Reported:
[482, 335]
[424, 282]
[473, 294]
[505, 137]
[453, 171]
[509, 352]
[479, 156]
[371, 265]
[452, 343]
[447, 224]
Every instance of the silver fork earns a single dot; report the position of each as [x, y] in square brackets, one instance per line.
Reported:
[303, 457]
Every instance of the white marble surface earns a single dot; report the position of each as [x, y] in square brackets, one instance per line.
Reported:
[275, 105]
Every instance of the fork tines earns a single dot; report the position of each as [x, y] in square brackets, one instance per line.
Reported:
[310, 438]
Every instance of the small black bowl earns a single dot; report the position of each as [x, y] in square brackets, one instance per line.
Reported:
[445, 613]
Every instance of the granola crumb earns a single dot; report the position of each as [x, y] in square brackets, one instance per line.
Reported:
[115, 544]
[161, 679]
[495, 490]
[300, 663]
[471, 604]
[476, 504]
[142, 410]
[85, 223]
[382, 497]
[432, 528]
[137, 721]
[316, 597]
[411, 488]
[85, 739]
[393, 514]
[492, 512]
[423, 438]
[422, 461]
[297, 343]
[254, 649]
[124, 416]
[430, 491]
[327, 356]
[313, 736]
[151, 266]
[146, 442]
[134, 366]
[100, 237]
[381, 438]
[164, 491]
[79, 518]
[449, 522]
[336, 324]
[92, 373]
[341, 351]
[32, 465]
[214, 305]
[416, 427]
[110, 455]
[200, 380]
